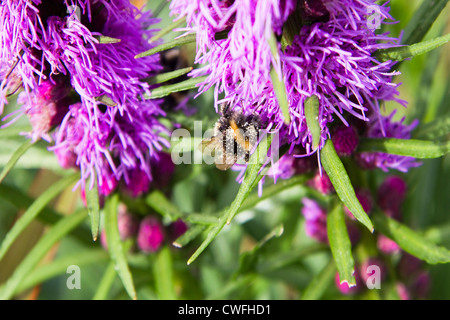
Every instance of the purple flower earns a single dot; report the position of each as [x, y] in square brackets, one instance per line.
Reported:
[86, 95]
[150, 235]
[386, 245]
[386, 127]
[345, 140]
[328, 55]
[315, 220]
[391, 195]
[322, 183]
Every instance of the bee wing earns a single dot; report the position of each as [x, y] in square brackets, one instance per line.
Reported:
[226, 162]
[208, 146]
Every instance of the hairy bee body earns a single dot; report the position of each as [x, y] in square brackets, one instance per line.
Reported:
[235, 135]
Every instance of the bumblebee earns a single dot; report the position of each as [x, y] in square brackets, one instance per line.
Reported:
[235, 135]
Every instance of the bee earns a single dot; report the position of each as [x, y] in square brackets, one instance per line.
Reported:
[235, 135]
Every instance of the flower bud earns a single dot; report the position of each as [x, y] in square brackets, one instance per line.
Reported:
[150, 235]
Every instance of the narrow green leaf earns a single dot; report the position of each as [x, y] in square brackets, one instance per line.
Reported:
[342, 184]
[105, 283]
[438, 128]
[271, 190]
[312, 119]
[405, 52]
[106, 100]
[107, 40]
[163, 77]
[252, 176]
[158, 202]
[420, 149]
[59, 266]
[35, 208]
[93, 205]
[279, 87]
[188, 236]
[422, 20]
[284, 259]
[251, 179]
[190, 38]
[163, 274]
[410, 241]
[320, 283]
[249, 259]
[340, 245]
[14, 158]
[162, 4]
[438, 234]
[108, 277]
[47, 241]
[163, 91]
[21, 200]
[115, 246]
[167, 29]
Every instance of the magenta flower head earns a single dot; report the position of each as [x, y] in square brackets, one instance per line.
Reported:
[391, 195]
[326, 50]
[315, 220]
[386, 245]
[150, 235]
[80, 91]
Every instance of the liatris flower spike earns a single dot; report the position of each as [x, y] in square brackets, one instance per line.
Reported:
[82, 85]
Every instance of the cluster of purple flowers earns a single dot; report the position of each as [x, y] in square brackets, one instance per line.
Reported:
[413, 280]
[326, 50]
[85, 94]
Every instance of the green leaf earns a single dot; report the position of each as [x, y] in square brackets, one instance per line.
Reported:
[107, 40]
[438, 128]
[249, 259]
[47, 241]
[312, 119]
[438, 234]
[320, 283]
[422, 20]
[158, 202]
[410, 241]
[279, 87]
[37, 156]
[252, 176]
[163, 91]
[115, 246]
[342, 184]
[271, 190]
[163, 77]
[191, 233]
[106, 282]
[59, 266]
[251, 179]
[167, 29]
[405, 52]
[190, 38]
[420, 149]
[163, 274]
[21, 200]
[14, 158]
[340, 245]
[93, 205]
[35, 208]
[283, 259]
